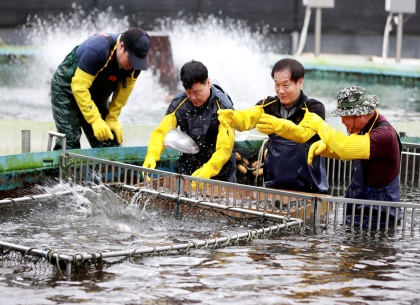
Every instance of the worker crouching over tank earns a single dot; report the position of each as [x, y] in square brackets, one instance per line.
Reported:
[103, 65]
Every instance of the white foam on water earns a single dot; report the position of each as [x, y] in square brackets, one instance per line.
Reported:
[232, 53]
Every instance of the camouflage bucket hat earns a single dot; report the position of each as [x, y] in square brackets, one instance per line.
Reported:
[352, 101]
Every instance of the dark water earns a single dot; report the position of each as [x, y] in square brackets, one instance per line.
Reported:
[324, 266]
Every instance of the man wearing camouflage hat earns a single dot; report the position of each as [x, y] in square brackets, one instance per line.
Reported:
[371, 142]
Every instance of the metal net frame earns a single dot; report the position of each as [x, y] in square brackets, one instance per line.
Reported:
[264, 211]
[267, 211]
[88, 171]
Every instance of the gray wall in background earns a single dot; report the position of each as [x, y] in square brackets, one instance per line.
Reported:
[352, 27]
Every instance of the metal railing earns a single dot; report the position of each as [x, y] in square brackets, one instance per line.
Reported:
[89, 171]
[277, 209]
[371, 215]
[315, 210]
[266, 212]
[339, 171]
[410, 164]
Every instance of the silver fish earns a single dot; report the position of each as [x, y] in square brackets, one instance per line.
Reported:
[180, 141]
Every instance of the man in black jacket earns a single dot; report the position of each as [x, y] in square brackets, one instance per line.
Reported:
[195, 112]
[285, 166]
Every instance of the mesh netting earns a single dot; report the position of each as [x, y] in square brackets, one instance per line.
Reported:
[27, 264]
[234, 226]
[194, 209]
[249, 161]
[405, 139]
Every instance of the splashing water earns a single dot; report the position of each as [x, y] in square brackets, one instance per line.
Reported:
[96, 218]
[231, 52]
[58, 35]
[235, 56]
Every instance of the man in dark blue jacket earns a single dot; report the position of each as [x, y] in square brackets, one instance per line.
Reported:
[101, 66]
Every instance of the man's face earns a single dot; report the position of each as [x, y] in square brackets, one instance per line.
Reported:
[287, 90]
[354, 123]
[199, 93]
[123, 57]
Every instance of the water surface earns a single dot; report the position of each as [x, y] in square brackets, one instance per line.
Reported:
[320, 266]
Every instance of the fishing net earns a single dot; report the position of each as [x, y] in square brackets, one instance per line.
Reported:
[250, 157]
[407, 139]
[106, 204]
[25, 264]
[219, 226]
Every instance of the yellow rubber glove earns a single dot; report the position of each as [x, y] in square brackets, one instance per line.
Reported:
[351, 147]
[101, 130]
[240, 120]
[224, 145]
[119, 99]
[80, 85]
[320, 148]
[269, 124]
[116, 127]
[157, 137]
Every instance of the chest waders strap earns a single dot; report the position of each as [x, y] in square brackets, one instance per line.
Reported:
[263, 104]
[111, 41]
[185, 99]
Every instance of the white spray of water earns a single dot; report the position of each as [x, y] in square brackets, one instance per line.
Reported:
[235, 56]
[231, 52]
[58, 35]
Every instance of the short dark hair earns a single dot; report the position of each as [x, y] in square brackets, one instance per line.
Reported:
[193, 72]
[296, 69]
